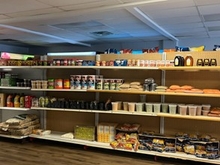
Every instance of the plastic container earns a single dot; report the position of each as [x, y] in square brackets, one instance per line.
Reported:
[149, 107]
[139, 107]
[119, 105]
[172, 108]
[157, 107]
[192, 110]
[131, 107]
[182, 109]
[165, 108]
[205, 112]
[206, 107]
[114, 106]
[125, 106]
[199, 110]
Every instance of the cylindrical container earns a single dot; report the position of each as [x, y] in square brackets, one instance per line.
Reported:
[157, 107]
[119, 105]
[172, 108]
[106, 84]
[33, 84]
[125, 106]
[58, 84]
[149, 107]
[114, 106]
[112, 84]
[206, 107]
[131, 107]
[164, 108]
[50, 83]
[66, 84]
[139, 107]
[39, 84]
[205, 112]
[199, 110]
[192, 110]
[182, 109]
[44, 84]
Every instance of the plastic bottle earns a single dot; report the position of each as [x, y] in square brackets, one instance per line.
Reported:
[9, 101]
[22, 101]
[188, 60]
[17, 101]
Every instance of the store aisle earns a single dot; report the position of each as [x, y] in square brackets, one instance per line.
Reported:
[54, 153]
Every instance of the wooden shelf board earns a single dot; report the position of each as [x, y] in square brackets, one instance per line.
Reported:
[56, 136]
[191, 68]
[155, 93]
[206, 118]
[60, 90]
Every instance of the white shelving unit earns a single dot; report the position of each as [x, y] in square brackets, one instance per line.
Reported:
[56, 136]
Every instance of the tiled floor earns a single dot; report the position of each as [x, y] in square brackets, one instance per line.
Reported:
[54, 153]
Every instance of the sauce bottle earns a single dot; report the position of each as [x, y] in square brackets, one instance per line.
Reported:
[178, 60]
[188, 60]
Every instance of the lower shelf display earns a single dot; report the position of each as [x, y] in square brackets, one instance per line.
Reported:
[56, 136]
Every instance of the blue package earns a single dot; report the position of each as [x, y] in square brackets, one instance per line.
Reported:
[120, 62]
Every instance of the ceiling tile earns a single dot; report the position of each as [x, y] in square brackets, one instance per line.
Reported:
[206, 2]
[12, 6]
[67, 2]
[34, 12]
[209, 9]
[179, 12]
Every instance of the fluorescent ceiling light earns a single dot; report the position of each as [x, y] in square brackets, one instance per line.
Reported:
[147, 20]
[72, 54]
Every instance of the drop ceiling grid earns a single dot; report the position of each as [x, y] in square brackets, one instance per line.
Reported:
[11, 6]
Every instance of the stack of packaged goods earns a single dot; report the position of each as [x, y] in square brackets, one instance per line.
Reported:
[20, 125]
[106, 132]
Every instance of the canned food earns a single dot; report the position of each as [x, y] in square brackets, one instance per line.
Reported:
[66, 84]
[58, 84]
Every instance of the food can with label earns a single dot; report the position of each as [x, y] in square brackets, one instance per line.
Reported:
[58, 84]
[66, 84]
[50, 83]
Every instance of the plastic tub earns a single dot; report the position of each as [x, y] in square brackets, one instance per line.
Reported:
[114, 106]
[182, 109]
[125, 106]
[172, 108]
[139, 107]
[149, 107]
[119, 105]
[205, 112]
[131, 107]
[206, 107]
[157, 107]
[199, 110]
[164, 108]
[192, 110]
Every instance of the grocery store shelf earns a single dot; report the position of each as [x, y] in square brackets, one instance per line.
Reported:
[206, 118]
[60, 90]
[19, 88]
[94, 67]
[15, 109]
[122, 112]
[191, 68]
[56, 136]
[13, 137]
[14, 67]
[155, 93]
[96, 111]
